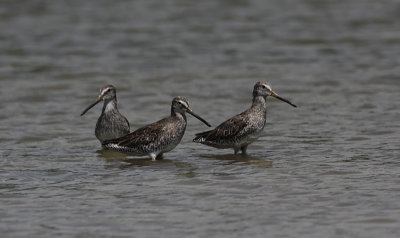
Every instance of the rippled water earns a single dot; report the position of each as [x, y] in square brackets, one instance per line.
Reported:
[329, 168]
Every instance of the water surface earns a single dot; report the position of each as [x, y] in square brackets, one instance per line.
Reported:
[329, 168]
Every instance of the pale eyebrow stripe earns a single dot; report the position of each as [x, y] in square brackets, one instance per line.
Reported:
[184, 103]
[104, 90]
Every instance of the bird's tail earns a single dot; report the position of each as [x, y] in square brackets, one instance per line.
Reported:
[201, 137]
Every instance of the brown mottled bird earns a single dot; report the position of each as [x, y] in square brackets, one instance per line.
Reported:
[159, 137]
[243, 129]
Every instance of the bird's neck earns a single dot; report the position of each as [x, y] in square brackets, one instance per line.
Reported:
[110, 106]
[259, 101]
[178, 114]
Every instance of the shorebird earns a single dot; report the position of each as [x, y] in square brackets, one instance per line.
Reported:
[243, 129]
[159, 137]
[111, 123]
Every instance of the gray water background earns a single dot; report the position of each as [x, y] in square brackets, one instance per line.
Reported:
[329, 168]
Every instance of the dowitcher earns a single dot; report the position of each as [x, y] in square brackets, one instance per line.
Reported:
[111, 123]
[243, 129]
[159, 137]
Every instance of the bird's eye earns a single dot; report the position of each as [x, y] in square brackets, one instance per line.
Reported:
[263, 86]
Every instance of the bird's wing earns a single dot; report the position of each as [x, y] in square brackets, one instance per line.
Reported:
[226, 130]
[142, 136]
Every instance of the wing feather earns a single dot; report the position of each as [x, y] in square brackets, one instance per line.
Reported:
[226, 130]
[143, 136]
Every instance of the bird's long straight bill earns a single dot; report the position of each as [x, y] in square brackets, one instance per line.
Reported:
[92, 105]
[198, 117]
[285, 100]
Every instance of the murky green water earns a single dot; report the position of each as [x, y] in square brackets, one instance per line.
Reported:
[329, 168]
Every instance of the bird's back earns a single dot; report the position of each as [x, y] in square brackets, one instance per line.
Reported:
[240, 129]
[161, 136]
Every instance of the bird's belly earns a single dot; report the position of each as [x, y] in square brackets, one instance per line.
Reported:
[251, 138]
[109, 134]
[107, 131]
[169, 147]
[171, 144]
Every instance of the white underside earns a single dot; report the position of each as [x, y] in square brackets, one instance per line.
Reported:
[153, 155]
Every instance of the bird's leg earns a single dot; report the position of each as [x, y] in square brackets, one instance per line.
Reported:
[236, 149]
[153, 156]
[244, 149]
[159, 156]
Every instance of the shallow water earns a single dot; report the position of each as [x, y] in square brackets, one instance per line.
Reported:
[329, 168]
